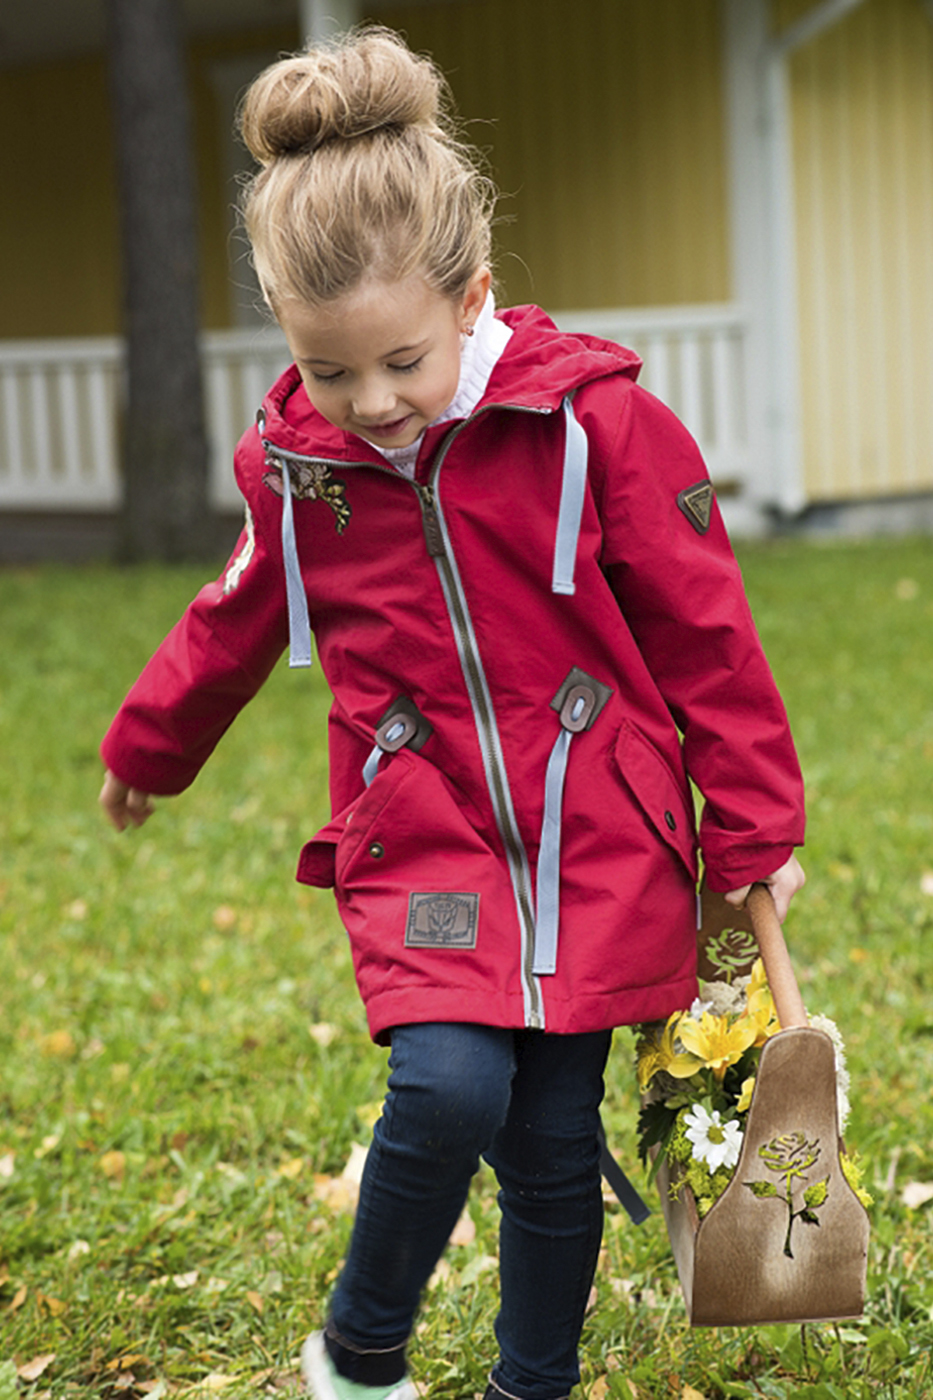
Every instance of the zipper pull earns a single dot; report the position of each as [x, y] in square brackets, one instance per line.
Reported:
[432, 526]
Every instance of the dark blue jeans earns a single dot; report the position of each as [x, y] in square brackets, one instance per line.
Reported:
[529, 1103]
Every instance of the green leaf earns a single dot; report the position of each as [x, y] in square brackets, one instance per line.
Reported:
[761, 1189]
[655, 1125]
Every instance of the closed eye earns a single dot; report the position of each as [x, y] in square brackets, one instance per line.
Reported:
[407, 369]
[326, 378]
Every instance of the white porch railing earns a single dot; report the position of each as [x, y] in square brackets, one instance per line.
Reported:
[59, 400]
[694, 361]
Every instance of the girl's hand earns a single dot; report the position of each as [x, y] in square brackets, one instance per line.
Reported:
[124, 806]
[783, 884]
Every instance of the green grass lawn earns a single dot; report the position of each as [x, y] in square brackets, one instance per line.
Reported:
[185, 1065]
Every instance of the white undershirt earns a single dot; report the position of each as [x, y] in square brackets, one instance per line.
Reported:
[479, 355]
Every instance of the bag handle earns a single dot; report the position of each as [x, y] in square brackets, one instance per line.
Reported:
[770, 937]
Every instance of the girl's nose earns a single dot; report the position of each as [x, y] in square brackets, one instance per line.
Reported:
[374, 400]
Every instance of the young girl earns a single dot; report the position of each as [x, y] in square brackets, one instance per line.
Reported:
[525, 603]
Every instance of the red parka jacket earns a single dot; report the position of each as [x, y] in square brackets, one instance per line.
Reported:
[529, 645]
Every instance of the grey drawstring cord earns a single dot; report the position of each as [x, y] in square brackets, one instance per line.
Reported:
[299, 622]
[572, 492]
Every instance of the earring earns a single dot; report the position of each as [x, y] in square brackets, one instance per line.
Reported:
[468, 329]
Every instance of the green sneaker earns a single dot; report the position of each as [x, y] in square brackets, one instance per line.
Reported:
[325, 1382]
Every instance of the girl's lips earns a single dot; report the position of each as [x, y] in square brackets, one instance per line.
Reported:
[387, 430]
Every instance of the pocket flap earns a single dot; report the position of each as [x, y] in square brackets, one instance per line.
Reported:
[658, 792]
[317, 863]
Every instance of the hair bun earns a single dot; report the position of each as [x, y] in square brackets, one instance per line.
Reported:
[367, 83]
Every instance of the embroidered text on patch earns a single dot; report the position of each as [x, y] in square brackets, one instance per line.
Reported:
[311, 481]
[442, 920]
[696, 502]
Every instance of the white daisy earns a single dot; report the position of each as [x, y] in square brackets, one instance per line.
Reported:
[714, 1142]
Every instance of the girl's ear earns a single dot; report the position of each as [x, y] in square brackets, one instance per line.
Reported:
[474, 298]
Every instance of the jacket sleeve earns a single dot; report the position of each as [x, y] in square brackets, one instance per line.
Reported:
[681, 592]
[213, 661]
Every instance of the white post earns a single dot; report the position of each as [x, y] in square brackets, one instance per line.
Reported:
[322, 19]
[764, 266]
[764, 235]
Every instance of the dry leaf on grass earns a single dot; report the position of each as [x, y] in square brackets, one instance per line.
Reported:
[464, 1232]
[916, 1194]
[113, 1165]
[33, 1369]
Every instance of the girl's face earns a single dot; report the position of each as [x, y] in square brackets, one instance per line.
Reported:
[383, 361]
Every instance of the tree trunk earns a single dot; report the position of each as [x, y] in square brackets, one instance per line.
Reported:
[165, 509]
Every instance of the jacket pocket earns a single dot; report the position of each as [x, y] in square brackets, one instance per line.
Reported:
[344, 833]
[663, 798]
[406, 831]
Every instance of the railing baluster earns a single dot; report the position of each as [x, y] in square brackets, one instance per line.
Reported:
[69, 425]
[48, 429]
[43, 475]
[13, 428]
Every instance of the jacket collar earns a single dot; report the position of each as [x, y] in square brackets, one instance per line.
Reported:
[539, 366]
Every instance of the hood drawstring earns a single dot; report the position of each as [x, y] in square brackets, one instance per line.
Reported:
[572, 493]
[299, 622]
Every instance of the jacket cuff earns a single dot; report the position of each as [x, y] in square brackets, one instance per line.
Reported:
[745, 865]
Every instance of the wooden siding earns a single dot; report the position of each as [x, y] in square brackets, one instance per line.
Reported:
[862, 113]
[605, 127]
[59, 235]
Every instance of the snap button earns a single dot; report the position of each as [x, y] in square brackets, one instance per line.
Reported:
[579, 704]
[671, 821]
[395, 732]
[377, 850]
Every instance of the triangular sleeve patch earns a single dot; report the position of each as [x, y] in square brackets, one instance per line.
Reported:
[696, 502]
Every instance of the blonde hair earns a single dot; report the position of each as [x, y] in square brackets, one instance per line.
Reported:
[361, 173]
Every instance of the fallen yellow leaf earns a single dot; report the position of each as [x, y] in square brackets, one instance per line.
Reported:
[60, 1044]
[916, 1194]
[292, 1168]
[599, 1388]
[113, 1165]
[322, 1033]
[689, 1393]
[54, 1306]
[33, 1369]
[185, 1280]
[19, 1298]
[224, 917]
[255, 1300]
[464, 1232]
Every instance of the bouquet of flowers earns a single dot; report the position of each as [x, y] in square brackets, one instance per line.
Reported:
[697, 1073]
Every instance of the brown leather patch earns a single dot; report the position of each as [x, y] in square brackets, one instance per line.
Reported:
[696, 502]
[442, 920]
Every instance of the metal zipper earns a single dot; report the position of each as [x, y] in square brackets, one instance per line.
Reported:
[439, 548]
[487, 729]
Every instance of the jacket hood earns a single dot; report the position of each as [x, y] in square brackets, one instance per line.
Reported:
[538, 368]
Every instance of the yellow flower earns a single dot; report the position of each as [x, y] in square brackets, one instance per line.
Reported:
[759, 1011]
[745, 1097]
[715, 1042]
[661, 1053]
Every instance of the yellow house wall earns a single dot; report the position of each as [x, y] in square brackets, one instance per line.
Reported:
[605, 133]
[604, 127]
[59, 234]
[862, 114]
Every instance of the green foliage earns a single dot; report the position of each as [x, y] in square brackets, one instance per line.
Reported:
[172, 1132]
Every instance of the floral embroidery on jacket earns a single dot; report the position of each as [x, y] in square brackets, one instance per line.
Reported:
[311, 481]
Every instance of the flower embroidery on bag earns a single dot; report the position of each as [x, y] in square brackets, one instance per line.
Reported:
[311, 481]
[238, 564]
